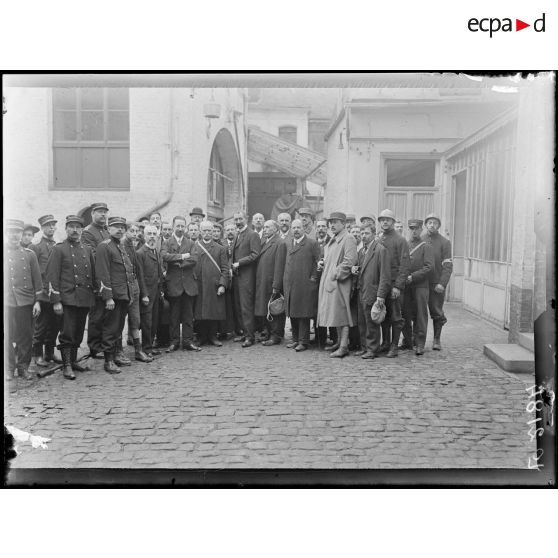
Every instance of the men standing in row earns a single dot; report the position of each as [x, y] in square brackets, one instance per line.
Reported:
[212, 275]
[114, 276]
[398, 251]
[92, 236]
[301, 285]
[181, 257]
[246, 250]
[440, 275]
[415, 301]
[48, 323]
[374, 280]
[70, 279]
[151, 266]
[269, 282]
[23, 287]
[334, 309]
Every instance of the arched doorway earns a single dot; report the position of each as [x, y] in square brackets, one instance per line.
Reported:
[224, 187]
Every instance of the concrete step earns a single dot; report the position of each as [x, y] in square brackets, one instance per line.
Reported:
[511, 357]
[527, 341]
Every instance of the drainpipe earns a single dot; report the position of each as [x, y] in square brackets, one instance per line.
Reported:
[173, 154]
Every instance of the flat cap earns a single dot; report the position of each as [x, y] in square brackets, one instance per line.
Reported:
[337, 215]
[306, 211]
[415, 223]
[99, 205]
[30, 227]
[116, 221]
[47, 219]
[14, 224]
[197, 211]
[74, 219]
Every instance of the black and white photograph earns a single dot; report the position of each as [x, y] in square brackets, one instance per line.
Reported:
[308, 272]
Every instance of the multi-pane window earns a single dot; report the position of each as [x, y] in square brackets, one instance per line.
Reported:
[91, 138]
[288, 133]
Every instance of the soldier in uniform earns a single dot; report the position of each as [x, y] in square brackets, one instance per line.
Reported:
[29, 232]
[439, 276]
[70, 279]
[114, 277]
[23, 284]
[48, 323]
[92, 236]
[415, 301]
[398, 251]
[307, 218]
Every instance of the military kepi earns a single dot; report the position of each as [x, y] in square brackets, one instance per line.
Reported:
[306, 211]
[47, 219]
[14, 224]
[337, 215]
[417, 223]
[116, 221]
[99, 205]
[74, 219]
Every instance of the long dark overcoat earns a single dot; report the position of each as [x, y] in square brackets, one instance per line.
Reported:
[300, 281]
[209, 306]
[269, 273]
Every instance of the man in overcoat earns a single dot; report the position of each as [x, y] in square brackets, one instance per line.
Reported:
[322, 237]
[269, 281]
[334, 308]
[70, 276]
[151, 266]
[48, 323]
[415, 301]
[246, 249]
[301, 285]
[181, 257]
[212, 275]
[374, 281]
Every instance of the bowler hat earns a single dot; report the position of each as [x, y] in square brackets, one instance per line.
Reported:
[337, 215]
[74, 219]
[197, 211]
[116, 221]
[415, 223]
[30, 227]
[99, 205]
[47, 219]
[14, 224]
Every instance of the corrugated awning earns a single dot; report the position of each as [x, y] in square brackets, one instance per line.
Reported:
[286, 156]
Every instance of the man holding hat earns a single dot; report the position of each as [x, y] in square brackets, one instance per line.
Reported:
[415, 301]
[92, 235]
[70, 279]
[23, 286]
[398, 251]
[29, 232]
[197, 215]
[439, 276]
[334, 306]
[114, 278]
[48, 323]
[307, 218]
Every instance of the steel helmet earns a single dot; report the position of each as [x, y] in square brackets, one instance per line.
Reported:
[386, 214]
[433, 216]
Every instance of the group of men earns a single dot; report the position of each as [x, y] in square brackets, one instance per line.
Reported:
[184, 283]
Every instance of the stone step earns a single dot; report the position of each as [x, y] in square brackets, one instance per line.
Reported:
[511, 357]
[527, 341]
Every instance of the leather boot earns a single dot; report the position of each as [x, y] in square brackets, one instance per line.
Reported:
[436, 345]
[38, 357]
[393, 351]
[67, 364]
[110, 366]
[49, 355]
[343, 349]
[140, 355]
[23, 372]
[120, 358]
[75, 365]
[335, 346]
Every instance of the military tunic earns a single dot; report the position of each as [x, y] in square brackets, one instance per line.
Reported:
[23, 286]
[70, 280]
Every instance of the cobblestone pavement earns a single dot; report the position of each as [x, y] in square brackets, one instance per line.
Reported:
[273, 407]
